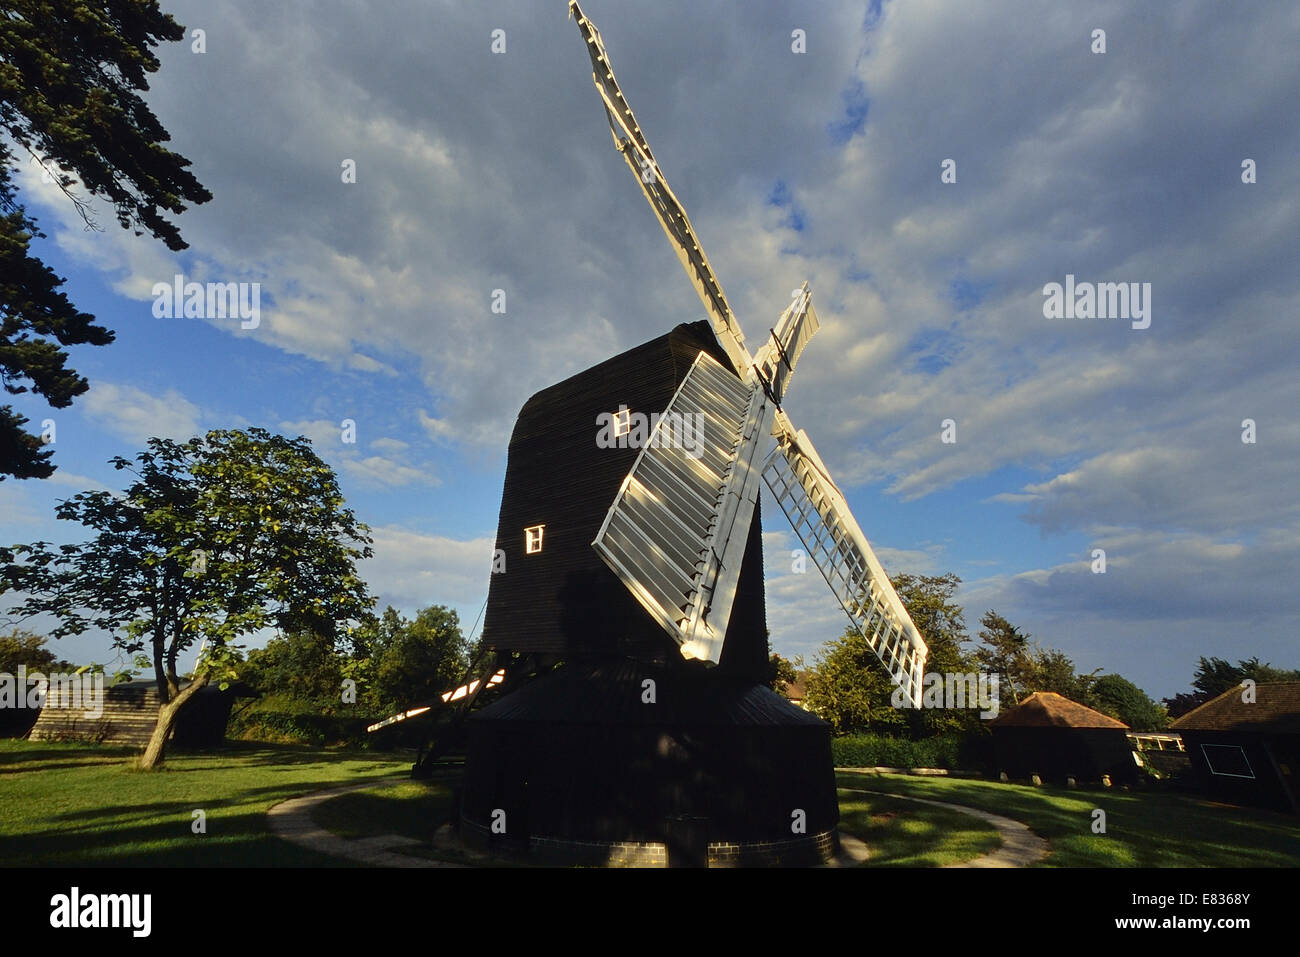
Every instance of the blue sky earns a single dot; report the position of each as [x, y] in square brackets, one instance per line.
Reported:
[479, 171]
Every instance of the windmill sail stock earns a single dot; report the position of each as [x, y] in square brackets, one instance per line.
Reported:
[631, 142]
[676, 531]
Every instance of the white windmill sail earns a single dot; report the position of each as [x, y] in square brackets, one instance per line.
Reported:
[822, 520]
[776, 359]
[677, 529]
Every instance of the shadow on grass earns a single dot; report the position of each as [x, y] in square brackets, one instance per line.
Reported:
[414, 809]
[902, 833]
[239, 839]
[1143, 829]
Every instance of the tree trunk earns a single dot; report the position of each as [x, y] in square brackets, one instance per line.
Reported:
[153, 754]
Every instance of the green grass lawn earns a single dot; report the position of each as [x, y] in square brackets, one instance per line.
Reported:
[1143, 829]
[78, 805]
[904, 834]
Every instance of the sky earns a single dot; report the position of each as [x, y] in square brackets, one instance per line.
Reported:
[929, 167]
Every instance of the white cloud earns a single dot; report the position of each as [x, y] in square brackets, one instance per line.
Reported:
[381, 471]
[390, 445]
[374, 471]
[136, 415]
[411, 570]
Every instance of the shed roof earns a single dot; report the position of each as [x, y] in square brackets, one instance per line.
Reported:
[1276, 709]
[1047, 709]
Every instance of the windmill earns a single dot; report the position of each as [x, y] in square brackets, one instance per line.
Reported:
[646, 505]
[647, 734]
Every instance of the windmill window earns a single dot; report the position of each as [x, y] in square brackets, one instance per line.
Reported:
[1227, 760]
[622, 421]
[533, 539]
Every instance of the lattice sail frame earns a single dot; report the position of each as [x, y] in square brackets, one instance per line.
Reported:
[821, 518]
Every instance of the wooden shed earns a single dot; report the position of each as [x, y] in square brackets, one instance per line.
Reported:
[1056, 738]
[1246, 750]
[130, 713]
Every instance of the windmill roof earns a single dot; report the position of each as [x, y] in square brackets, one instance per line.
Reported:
[1276, 708]
[1047, 709]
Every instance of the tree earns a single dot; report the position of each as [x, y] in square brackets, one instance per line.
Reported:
[848, 689]
[71, 74]
[415, 660]
[1214, 676]
[781, 673]
[302, 665]
[22, 647]
[930, 600]
[1122, 699]
[217, 538]
[1052, 670]
[1005, 652]
[1025, 666]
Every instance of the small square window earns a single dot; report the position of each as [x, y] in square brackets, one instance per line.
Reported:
[622, 421]
[533, 539]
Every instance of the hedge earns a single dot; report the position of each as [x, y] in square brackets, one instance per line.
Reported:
[964, 752]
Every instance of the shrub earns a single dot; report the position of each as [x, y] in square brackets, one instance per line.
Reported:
[881, 750]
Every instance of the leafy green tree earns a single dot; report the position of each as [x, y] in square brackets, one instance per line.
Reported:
[849, 690]
[412, 660]
[1120, 698]
[931, 602]
[302, 665]
[71, 75]
[781, 673]
[1214, 676]
[1050, 669]
[22, 647]
[35, 321]
[218, 537]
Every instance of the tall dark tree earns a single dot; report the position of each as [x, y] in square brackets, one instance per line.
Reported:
[218, 537]
[1214, 676]
[71, 74]
[1005, 651]
[1053, 670]
[781, 673]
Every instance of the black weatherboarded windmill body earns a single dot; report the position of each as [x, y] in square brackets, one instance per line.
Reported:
[631, 542]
